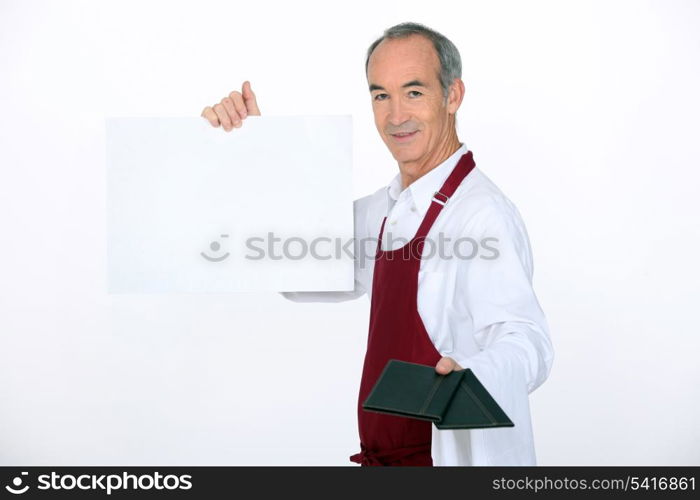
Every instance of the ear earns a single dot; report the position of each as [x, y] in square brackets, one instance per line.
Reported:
[455, 94]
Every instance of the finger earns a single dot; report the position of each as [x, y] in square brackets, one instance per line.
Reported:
[238, 103]
[223, 116]
[251, 102]
[210, 115]
[445, 365]
[231, 110]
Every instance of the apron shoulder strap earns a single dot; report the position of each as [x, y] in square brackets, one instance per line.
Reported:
[441, 197]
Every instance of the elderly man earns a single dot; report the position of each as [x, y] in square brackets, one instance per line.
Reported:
[463, 306]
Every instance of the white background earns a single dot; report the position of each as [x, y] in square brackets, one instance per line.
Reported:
[584, 113]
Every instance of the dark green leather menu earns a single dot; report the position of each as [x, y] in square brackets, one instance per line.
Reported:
[453, 401]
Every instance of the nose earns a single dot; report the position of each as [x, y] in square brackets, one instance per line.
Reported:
[397, 112]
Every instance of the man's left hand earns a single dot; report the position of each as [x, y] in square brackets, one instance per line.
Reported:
[446, 365]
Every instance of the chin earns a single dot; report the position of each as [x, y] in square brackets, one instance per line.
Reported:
[404, 154]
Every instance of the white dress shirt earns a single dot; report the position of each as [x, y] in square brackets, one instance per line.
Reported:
[475, 298]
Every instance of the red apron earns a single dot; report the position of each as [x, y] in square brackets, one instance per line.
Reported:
[396, 331]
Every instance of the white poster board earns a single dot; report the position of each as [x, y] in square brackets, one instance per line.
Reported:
[194, 209]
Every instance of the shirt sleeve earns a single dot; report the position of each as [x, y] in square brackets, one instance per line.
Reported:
[509, 326]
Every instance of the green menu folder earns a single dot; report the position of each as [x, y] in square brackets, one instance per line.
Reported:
[453, 401]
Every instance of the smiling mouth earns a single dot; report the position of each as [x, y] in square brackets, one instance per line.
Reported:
[404, 136]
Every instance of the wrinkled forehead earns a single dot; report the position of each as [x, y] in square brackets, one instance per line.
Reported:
[403, 59]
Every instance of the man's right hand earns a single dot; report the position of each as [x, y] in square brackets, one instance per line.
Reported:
[233, 109]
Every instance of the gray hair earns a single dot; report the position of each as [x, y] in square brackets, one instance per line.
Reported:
[450, 61]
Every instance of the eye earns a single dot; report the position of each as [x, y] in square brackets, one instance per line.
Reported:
[379, 97]
[414, 93]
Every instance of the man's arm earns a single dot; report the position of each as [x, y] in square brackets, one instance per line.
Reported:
[508, 323]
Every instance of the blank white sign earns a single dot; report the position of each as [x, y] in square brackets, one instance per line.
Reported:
[194, 209]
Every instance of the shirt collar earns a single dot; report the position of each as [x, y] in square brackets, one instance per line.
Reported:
[423, 188]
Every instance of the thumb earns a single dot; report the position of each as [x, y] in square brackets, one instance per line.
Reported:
[251, 102]
[445, 365]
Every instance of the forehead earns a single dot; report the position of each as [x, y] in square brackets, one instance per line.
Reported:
[399, 59]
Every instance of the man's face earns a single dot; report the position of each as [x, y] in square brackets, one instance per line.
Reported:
[407, 101]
